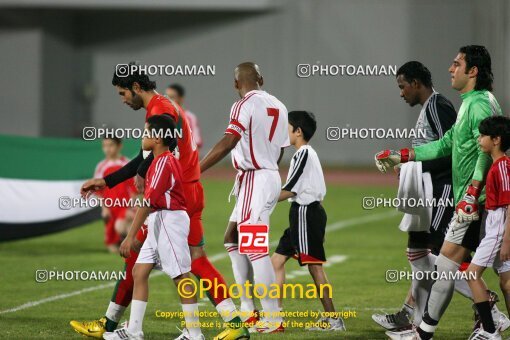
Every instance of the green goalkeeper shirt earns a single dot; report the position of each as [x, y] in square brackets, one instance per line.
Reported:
[461, 141]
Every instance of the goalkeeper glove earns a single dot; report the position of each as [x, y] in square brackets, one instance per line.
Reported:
[387, 159]
[467, 209]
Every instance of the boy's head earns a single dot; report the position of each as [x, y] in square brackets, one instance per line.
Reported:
[302, 125]
[160, 131]
[111, 147]
[494, 134]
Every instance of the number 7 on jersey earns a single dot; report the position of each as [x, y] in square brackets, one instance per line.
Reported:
[275, 113]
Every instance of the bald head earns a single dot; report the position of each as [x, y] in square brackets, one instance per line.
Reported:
[248, 74]
[247, 78]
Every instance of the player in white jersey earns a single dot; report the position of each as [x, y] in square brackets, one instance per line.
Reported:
[256, 135]
[304, 238]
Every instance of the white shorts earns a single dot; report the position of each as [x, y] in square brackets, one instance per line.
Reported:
[167, 242]
[487, 253]
[257, 193]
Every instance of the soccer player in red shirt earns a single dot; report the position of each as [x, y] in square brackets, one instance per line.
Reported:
[494, 249]
[166, 216]
[177, 93]
[137, 90]
[117, 219]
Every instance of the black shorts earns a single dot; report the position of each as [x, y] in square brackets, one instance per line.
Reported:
[441, 216]
[304, 239]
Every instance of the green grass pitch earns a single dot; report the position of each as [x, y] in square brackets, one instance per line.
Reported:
[368, 242]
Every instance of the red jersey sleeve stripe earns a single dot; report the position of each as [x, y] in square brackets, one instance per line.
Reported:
[234, 109]
[238, 109]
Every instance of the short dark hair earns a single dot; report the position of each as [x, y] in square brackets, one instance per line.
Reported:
[414, 70]
[123, 77]
[478, 56]
[304, 120]
[178, 88]
[497, 126]
[164, 123]
[117, 140]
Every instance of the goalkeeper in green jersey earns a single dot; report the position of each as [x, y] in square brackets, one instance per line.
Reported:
[471, 75]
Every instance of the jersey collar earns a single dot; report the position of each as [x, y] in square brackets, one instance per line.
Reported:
[252, 91]
[502, 159]
[467, 94]
[153, 101]
[166, 153]
[428, 99]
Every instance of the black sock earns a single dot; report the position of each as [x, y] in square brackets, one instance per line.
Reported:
[424, 335]
[110, 325]
[484, 310]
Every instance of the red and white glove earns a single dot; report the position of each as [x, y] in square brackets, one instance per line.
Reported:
[387, 159]
[467, 209]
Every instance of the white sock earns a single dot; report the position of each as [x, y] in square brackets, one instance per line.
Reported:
[192, 320]
[462, 287]
[422, 261]
[441, 291]
[227, 309]
[115, 311]
[241, 268]
[136, 316]
[264, 274]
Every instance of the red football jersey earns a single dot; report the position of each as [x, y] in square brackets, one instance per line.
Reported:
[123, 190]
[163, 183]
[187, 148]
[497, 189]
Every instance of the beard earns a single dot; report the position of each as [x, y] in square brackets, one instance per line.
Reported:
[137, 102]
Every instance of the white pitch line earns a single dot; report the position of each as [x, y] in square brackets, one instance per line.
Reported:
[58, 297]
[216, 257]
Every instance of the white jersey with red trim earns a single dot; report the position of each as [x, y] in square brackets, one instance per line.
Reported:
[261, 121]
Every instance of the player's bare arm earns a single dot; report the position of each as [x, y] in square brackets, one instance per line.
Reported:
[284, 195]
[504, 254]
[93, 184]
[129, 242]
[219, 151]
[139, 183]
[282, 151]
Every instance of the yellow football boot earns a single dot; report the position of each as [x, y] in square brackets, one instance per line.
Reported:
[233, 334]
[94, 329]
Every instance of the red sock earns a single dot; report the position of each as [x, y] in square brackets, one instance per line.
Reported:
[123, 293]
[203, 269]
